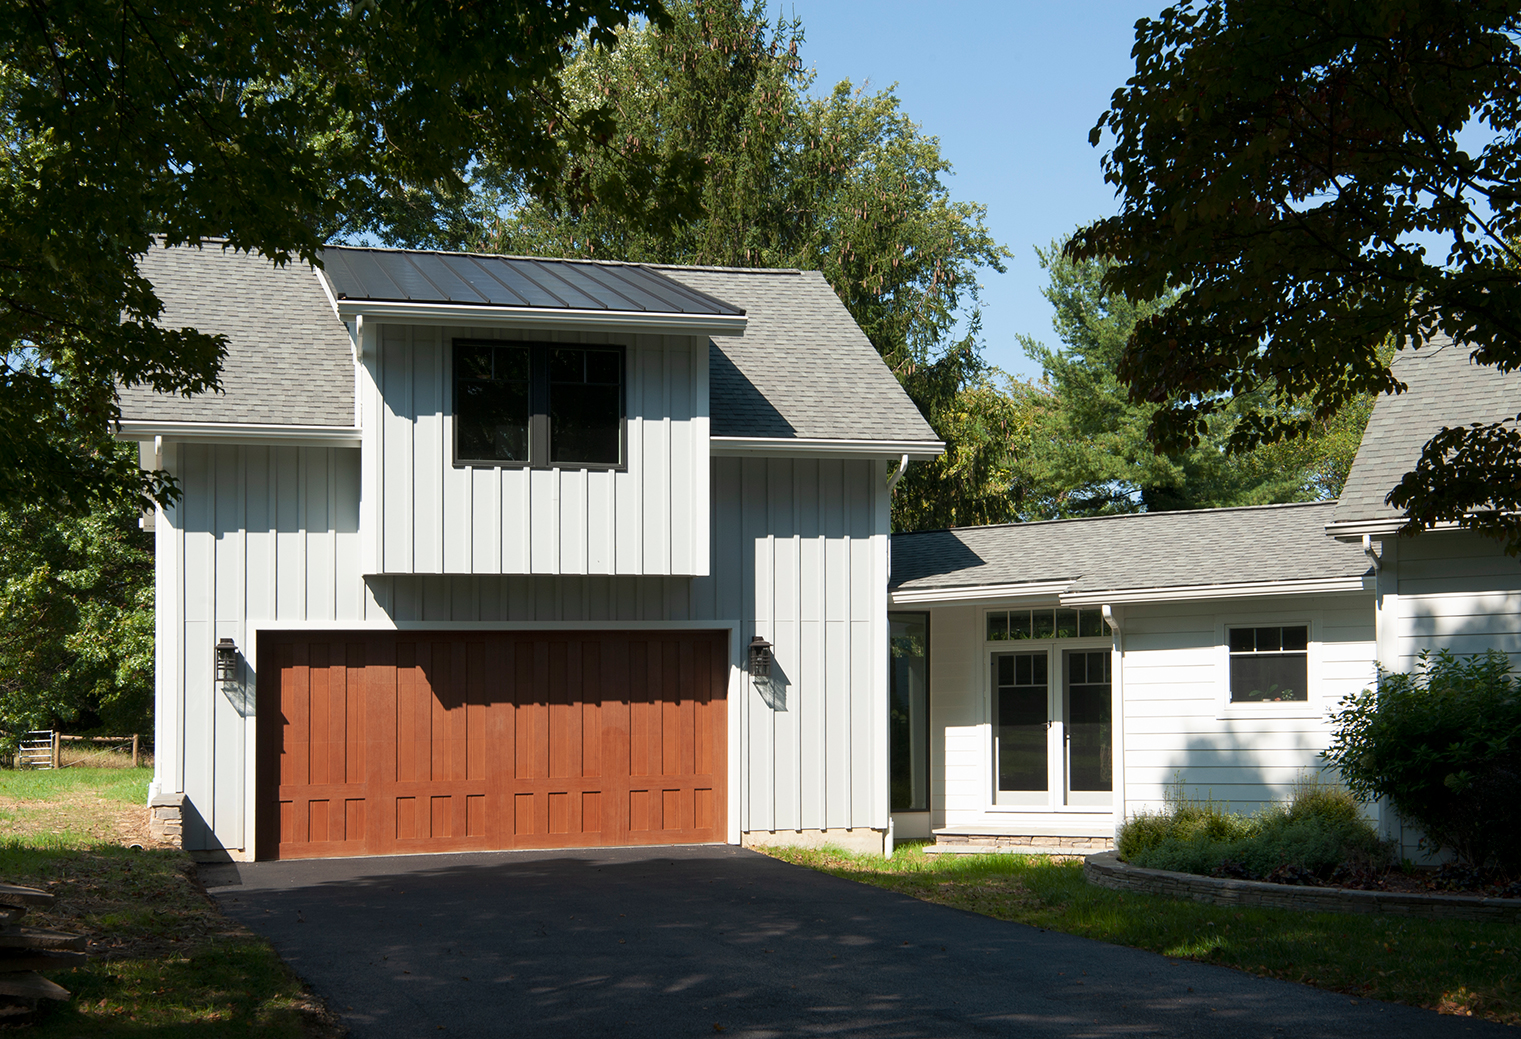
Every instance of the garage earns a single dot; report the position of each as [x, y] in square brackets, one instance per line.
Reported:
[384, 743]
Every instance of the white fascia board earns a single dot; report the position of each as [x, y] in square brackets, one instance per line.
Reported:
[1247, 590]
[239, 433]
[544, 318]
[1354, 531]
[966, 595]
[818, 447]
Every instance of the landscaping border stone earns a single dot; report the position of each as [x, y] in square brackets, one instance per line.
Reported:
[1106, 870]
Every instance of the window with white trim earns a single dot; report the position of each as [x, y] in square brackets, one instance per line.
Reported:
[1269, 663]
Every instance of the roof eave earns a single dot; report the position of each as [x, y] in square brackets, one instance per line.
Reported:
[822, 447]
[238, 433]
[543, 317]
[979, 594]
[1244, 590]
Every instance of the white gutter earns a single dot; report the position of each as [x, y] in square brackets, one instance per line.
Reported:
[238, 432]
[545, 317]
[1364, 528]
[897, 474]
[1252, 589]
[816, 447]
[980, 592]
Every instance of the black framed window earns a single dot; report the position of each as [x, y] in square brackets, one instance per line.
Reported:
[539, 404]
[1270, 664]
[908, 712]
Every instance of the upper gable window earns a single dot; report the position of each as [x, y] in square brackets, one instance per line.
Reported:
[538, 404]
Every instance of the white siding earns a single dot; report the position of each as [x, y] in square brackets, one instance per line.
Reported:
[799, 554]
[1177, 722]
[1457, 591]
[435, 517]
[1178, 726]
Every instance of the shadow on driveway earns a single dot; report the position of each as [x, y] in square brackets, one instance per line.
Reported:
[715, 940]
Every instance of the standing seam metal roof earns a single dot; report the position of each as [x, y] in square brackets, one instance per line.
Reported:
[1213, 547]
[476, 279]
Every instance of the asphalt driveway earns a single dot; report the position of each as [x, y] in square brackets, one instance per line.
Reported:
[715, 940]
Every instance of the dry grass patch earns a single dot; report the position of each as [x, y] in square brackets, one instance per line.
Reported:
[1451, 966]
[166, 961]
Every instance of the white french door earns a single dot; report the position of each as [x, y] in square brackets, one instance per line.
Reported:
[1052, 729]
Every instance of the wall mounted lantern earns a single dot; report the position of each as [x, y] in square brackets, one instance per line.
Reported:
[760, 659]
[227, 660]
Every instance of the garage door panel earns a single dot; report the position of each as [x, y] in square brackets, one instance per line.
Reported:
[385, 743]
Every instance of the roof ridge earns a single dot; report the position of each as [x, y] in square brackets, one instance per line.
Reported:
[1328, 503]
[562, 259]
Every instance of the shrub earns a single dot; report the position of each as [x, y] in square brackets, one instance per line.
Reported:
[1440, 745]
[1318, 830]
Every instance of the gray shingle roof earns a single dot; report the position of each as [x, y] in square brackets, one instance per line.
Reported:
[414, 276]
[1214, 547]
[289, 361]
[803, 368]
[1445, 389]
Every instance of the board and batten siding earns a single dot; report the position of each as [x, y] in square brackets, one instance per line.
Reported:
[431, 516]
[270, 536]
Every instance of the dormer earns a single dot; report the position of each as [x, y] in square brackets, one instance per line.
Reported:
[529, 416]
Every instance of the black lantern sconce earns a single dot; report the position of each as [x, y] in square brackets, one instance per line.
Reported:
[760, 659]
[227, 660]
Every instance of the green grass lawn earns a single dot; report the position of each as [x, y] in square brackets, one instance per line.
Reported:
[166, 961]
[1456, 967]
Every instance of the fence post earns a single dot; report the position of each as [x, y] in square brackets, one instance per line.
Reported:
[134, 750]
[57, 743]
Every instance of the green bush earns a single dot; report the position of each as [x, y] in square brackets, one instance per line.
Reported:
[1319, 829]
[1441, 745]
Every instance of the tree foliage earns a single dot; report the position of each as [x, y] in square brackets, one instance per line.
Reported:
[1443, 745]
[1090, 452]
[269, 126]
[76, 618]
[846, 184]
[1280, 165]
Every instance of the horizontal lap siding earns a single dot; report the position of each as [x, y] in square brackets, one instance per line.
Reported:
[435, 517]
[1459, 592]
[266, 534]
[1175, 681]
[958, 718]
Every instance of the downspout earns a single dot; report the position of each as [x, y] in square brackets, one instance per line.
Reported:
[1371, 553]
[892, 482]
[1117, 740]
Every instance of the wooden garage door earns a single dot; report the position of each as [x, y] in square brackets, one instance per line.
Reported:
[388, 743]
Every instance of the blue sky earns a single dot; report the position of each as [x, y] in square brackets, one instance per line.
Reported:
[1011, 89]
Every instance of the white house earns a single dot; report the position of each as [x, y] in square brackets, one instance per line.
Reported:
[470, 551]
[1051, 679]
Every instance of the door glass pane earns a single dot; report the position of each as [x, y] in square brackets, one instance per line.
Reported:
[908, 712]
[585, 406]
[1020, 714]
[1090, 754]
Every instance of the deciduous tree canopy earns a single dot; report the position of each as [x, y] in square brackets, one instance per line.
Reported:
[846, 184]
[270, 126]
[1281, 165]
